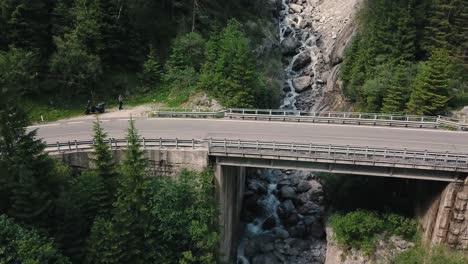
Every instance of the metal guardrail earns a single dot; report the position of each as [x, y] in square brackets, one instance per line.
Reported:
[391, 157]
[86, 145]
[321, 152]
[321, 117]
[189, 112]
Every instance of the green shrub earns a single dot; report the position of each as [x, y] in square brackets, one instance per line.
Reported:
[358, 229]
[400, 225]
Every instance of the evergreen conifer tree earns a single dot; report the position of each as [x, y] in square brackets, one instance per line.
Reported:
[104, 164]
[128, 237]
[446, 28]
[229, 72]
[21, 245]
[431, 88]
[151, 74]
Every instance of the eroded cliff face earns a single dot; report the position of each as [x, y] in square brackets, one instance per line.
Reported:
[335, 21]
[314, 36]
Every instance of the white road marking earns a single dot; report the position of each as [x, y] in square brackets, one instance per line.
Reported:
[105, 120]
[71, 123]
[47, 125]
[124, 119]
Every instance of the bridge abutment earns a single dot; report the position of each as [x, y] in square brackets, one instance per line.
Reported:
[230, 182]
[446, 219]
[161, 162]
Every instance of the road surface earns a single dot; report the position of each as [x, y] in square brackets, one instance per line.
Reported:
[391, 137]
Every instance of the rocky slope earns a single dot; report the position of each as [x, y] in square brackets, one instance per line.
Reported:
[314, 35]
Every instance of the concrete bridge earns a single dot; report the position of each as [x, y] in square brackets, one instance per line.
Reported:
[232, 145]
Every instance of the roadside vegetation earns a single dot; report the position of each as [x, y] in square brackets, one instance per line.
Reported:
[57, 55]
[111, 213]
[408, 57]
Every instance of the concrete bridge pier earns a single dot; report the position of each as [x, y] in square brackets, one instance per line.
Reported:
[230, 182]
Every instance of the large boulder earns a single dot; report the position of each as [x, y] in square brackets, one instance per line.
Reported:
[289, 46]
[281, 233]
[316, 189]
[295, 8]
[309, 208]
[301, 83]
[286, 209]
[303, 186]
[301, 61]
[287, 192]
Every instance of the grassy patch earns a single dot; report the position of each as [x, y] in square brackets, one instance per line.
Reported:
[66, 109]
[49, 112]
[436, 255]
[358, 229]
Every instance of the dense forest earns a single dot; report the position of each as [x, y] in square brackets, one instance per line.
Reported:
[70, 51]
[112, 213]
[409, 56]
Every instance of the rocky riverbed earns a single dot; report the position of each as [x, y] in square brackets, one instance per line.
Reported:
[313, 37]
[284, 211]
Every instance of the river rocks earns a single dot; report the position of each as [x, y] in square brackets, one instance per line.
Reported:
[288, 207]
[301, 61]
[295, 8]
[287, 192]
[289, 46]
[281, 233]
[258, 187]
[269, 223]
[303, 186]
[288, 228]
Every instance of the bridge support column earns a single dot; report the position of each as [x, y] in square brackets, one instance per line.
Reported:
[449, 217]
[230, 181]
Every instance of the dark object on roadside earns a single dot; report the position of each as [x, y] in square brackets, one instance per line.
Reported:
[120, 101]
[101, 107]
[91, 109]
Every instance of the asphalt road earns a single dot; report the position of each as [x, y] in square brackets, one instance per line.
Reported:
[391, 137]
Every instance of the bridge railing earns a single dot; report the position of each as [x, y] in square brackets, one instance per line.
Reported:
[113, 143]
[189, 112]
[301, 151]
[293, 151]
[355, 118]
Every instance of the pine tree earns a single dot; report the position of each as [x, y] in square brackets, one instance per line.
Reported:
[76, 69]
[22, 245]
[34, 180]
[446, 28]
[104, 166]
[392, 102]
[398, 92]
[151, 74]
[431, 94]
[181, 69]
[130, 231]
[230, 73]
[27, 24]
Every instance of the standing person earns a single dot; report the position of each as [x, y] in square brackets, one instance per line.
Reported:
[120, 102]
